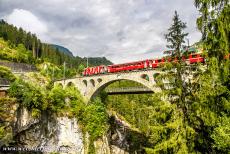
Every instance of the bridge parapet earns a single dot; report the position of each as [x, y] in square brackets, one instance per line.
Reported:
[128, 90]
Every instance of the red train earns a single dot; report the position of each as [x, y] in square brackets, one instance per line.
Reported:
[194, 57]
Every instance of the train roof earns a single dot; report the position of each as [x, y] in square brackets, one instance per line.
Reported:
[134, 62]
[191, 49]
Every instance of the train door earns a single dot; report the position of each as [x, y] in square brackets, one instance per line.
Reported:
[97, 70]
[155, 63]
[150, 63]
[104, 69]
[169, 59]
[193, 58]
[162, 61]
[87, 71]
[91, 71]
[146, 64]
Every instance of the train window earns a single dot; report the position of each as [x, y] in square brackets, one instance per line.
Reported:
[194, 56]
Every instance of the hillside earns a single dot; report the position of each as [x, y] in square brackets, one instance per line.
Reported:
[17, 54]
[29, 44]
[62, 49]
[95, 61]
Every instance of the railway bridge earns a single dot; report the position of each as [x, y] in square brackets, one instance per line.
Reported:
[90, 86]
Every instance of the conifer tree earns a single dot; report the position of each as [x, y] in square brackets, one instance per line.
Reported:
[214, 24]
[170, 129]
[175, 38]
[214, 91]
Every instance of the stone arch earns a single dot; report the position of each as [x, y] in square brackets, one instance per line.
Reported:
[155, 75]
[70, 84]
[92, 82]
[99, 80]
[85, 82]
[145, 77]
[60, 84]
[103, 85]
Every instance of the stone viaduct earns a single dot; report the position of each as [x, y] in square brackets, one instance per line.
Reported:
[90, 86]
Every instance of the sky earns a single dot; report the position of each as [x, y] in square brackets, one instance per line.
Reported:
[120, 30]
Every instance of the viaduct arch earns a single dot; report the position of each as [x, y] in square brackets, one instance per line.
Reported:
[90, 86]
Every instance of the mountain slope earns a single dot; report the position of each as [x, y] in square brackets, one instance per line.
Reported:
[95, 61]
[27, 43]
[62, 49]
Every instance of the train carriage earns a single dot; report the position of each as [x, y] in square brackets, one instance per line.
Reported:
[190, 56]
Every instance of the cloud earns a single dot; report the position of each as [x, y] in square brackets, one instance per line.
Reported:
[28, 21]
[120, 30]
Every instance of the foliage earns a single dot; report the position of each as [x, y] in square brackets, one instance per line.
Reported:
[6, 118]
[96, 61]
[30, 41]
[76, 104]
[210, 107]
[221, 134]
[189, 115]
[28, 94]
[62, 49]
[170, 130]
[63, 102]
[5, 73]
[55, 72]
[95, 119]
[214, 22]
[176, 36]
[15, 53]
[80, 68]
[56, 99]
[25, 47]
[69, 102]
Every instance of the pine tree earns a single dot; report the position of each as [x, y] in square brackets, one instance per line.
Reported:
[175, 38]
[170, 127]
[214, 91]
[176, 35]
[214, 24]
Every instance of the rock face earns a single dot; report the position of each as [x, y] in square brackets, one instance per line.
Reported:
[69, 134]
[103, 146]
[120, 139]
[48, 133]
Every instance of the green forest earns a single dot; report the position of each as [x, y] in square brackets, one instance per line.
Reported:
[17, 45]
[190, 113]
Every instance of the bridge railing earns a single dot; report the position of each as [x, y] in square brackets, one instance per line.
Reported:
[127, 89]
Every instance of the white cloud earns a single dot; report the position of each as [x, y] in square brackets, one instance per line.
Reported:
[28, 21]
[121, 30]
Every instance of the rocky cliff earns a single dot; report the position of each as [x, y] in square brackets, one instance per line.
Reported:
[50, 133]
